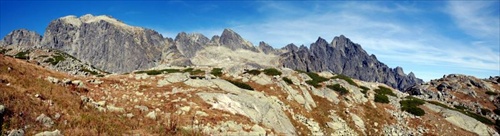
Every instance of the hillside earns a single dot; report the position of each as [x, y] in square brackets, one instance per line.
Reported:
[212, 101]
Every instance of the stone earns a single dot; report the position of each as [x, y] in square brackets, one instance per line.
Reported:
[201, 113]
[2, 109]
[52, 79]
[49, 133]
[254, 105]
[151, 115]
[45, 120]
[16, 132]
[141, 108]
[112, 108]
[185, 109]
[358, 121]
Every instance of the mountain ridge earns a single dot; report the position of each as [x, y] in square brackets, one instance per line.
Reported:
[114, 46]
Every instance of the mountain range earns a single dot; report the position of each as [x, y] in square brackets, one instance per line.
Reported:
[113, 46]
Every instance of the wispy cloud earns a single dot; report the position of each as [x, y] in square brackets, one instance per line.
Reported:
[477, 18]
[418, 47]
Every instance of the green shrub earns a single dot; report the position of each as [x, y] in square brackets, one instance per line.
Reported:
[216, 72]
[287, 80]
[56, 58]
[316, 79]
[253, 72]
[460, 107]
[313, 83]
[411, 106]
[22, 55]
[384, 90]
[381, 98]
[491, 93]
[364, 89]
[338, 88]
[240, 84]
[193, 71]
[415, 111]
[346, 78]
[272, 72]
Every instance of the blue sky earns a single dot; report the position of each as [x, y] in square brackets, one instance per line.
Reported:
[430, 38]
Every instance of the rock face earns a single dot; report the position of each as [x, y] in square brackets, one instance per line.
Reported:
[345, 57]
[21, 37]
[105, 42]
[189, 44]
[233, 41]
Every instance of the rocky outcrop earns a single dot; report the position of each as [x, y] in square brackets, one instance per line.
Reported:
[21, 37]
[345, 57]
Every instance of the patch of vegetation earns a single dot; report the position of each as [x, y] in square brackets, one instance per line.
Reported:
[157, 72]
[316, 79]
[193, 71]
[485, 111]
[55, 59]
[338, 88]
[470, 114]
[364, 89]
[381, 98]
[240, 84]
[491, 93]
[384, 90]
[89, 71]
[272, 72]
[346, 78]
[460, 107]
[216, 72]
[253, 72]
[287, 80]
[411, 104]
[100, 75]
[22, 55]
[496, 111]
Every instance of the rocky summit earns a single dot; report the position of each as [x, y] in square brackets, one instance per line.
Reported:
[96, 75]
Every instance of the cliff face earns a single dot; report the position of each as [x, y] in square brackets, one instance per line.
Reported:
[105, 42]
[345, 57]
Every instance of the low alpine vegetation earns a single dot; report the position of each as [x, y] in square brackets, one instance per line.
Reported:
[272, 72]
[411, 104]
[216, 72]
[316, 79]
[287, 80]
[384, 91]
[253, 72]
[338, 88]
[240, 84]
[157, 72]
[346, 78]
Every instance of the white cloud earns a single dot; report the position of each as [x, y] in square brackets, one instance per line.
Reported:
[477, 18]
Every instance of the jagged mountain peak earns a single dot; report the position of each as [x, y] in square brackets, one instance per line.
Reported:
[21, 37]
[234, 41]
